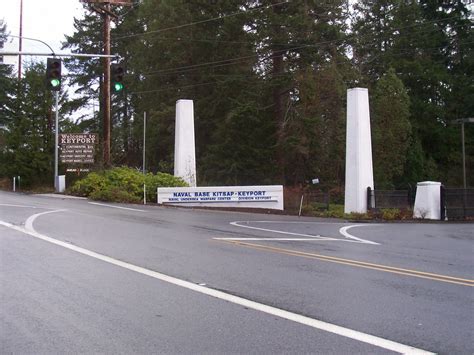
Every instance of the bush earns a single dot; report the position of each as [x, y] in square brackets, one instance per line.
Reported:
[122, 184]
[91, 183]
[358, 216]
[390, 214]
[160, 180]
[115, 194]
[308, 210]
[334, 211]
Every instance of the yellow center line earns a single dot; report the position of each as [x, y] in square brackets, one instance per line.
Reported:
[362, 264]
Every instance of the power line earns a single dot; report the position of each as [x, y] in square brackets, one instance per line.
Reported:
[245, 77]
[176, 88]
[243, 58]
[200, 22]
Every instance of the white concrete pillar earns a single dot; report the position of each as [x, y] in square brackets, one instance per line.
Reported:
[359, 172]
[184, 148]
[428, 200]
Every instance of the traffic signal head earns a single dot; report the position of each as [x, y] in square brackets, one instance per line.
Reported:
[117, 72]
[53, 74]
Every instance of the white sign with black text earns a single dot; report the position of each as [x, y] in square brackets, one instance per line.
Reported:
[266, 196]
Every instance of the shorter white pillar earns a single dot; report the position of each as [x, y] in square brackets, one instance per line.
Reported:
[184, 148]
[359, 173]
[60, 183]
[427, 200]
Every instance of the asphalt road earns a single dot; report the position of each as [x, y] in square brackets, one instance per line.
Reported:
[76, 276]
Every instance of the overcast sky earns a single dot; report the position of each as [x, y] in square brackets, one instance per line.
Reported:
[41, 21]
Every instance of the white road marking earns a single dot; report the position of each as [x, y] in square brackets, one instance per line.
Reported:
[281, 239]
[236, 223]
[112, 206]
[62, 196]
[290, 222]
[21, 206]
[311, 322]
[31, 219]
[344, 232]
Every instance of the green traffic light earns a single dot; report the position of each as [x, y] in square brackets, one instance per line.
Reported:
[55, 83]
[118, 87]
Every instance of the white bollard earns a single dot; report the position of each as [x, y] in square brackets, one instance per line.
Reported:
[60, 183]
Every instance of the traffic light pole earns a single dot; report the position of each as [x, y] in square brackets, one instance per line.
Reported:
[53, 54]
[106, 87]
[56, 143]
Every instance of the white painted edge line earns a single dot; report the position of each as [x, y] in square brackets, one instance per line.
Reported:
[280, 239]
[236, 224]
[61, 196]
[21, 206]
[119, 207]
[311, 322]
[346, 234]
[292, 222]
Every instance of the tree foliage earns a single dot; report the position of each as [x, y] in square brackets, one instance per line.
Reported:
[27, 123]
[268, 79]
[391, 129]
[28, 145]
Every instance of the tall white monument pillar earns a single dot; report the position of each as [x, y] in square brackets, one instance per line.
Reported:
[184, 149]
[359, 173]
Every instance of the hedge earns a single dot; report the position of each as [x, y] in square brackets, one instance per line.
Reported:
[123, 184]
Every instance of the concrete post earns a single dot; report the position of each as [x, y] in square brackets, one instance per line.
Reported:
[359, 171]
[184, 147]
[428, 200]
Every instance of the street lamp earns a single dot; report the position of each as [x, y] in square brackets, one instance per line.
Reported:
[462, 121]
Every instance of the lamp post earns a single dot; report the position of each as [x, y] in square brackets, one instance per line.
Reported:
[462, 121]
[144, 156]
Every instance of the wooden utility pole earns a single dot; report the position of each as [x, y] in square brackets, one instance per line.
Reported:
[105, 10]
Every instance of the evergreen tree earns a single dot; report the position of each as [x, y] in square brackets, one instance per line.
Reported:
[297, 42]
[424, 42]
[192, 62]
[391, 129]
[85, 75]
[29, 140]
[6, 102]
[6, 83]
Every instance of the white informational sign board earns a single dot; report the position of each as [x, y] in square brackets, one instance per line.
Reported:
[266, 196]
